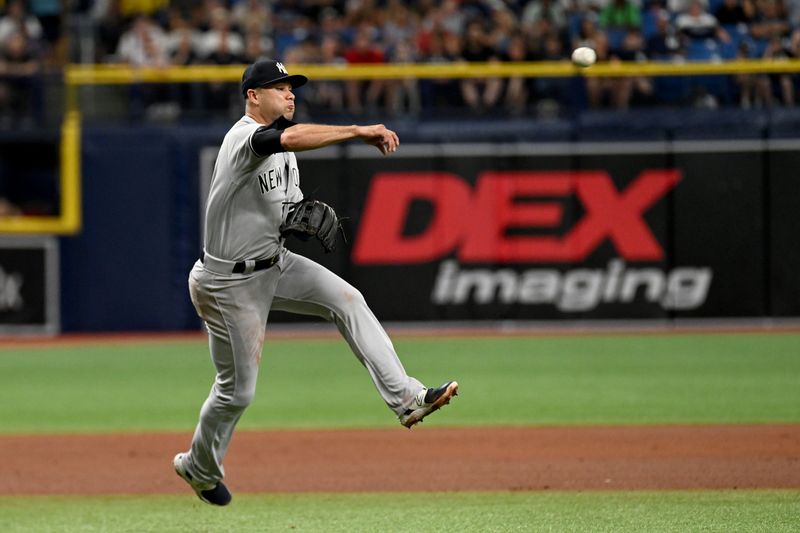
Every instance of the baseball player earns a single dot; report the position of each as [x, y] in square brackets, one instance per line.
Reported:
[245, 271]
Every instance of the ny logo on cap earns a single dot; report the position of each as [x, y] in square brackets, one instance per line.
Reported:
[281, 67]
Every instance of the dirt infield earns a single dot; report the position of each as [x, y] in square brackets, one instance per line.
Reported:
[423, 459]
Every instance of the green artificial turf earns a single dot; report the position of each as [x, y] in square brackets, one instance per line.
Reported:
[617, 512]
[618, 379]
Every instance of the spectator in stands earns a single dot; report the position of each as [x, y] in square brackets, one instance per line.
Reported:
[536, 32]
[697, 24]
[617, 17]
[8, 209]
[257, 46]
[579, 8]
[537, 38]
[362, 13]
[403, 96]
[732, 13]
[424, 8]
[16, 20]
[781, 85]
[221, 44]
[637, 89]
[552, 92]
[503, 25]
[747, 83]
[181, 41]
[429, 25]
[439, 93]
[364, 50]
[758, 90]
[182, 51]
[633, 47]
[664, 43]
[186, 8]
[327, 95]
[552, 11]
[792, 11]
[599, 90]
[770, 21]
[109, 26]
[515, 98]
[19, 67]
[303, 52]
[330, 24]
[450, 17]
[679, 6]
[247, 15]
[375, 31]
[589, 32]
[144, 44]
[199, 13]
[48, 12]
[480, 94]
[400, 26]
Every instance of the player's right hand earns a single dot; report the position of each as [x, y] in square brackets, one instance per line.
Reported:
[380, 137]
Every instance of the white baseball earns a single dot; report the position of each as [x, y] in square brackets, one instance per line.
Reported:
[584, 56]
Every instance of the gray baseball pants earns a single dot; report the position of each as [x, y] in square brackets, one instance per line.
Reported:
[235, 308]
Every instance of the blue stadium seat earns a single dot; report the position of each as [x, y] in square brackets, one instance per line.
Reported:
[728, 51]
[736, 31]
[702, 50]
[713, 5]
[574, 25]
[649, 23]
[615, 37]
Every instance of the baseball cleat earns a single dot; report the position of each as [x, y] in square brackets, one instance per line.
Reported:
[428, 401]
[214, 494]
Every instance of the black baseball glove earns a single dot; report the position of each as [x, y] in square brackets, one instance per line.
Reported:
[312, 218]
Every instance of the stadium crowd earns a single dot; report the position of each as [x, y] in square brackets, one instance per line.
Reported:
[182, 32]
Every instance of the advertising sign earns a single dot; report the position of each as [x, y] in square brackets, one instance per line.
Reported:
[525, 231]
[28, 286]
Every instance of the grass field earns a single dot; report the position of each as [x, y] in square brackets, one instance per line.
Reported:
[637, 379]
[603, 379]
[612, 512]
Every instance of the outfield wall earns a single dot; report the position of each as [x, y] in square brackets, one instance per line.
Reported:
[553, 230]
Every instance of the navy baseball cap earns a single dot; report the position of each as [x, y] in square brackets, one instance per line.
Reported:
[266, 71]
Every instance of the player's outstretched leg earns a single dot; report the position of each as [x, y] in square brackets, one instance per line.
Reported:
[309, 288]
[428, 401]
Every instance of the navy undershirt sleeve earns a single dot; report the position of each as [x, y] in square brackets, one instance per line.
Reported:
[266, 141]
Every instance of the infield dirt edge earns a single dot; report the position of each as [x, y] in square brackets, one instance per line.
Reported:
[679, 457]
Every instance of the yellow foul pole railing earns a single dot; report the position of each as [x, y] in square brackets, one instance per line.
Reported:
[122, 74]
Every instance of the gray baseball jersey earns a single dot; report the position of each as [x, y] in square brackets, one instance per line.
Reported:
[246, 204]
[249, 197]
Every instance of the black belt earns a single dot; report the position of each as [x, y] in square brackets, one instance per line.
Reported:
[260, 264]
